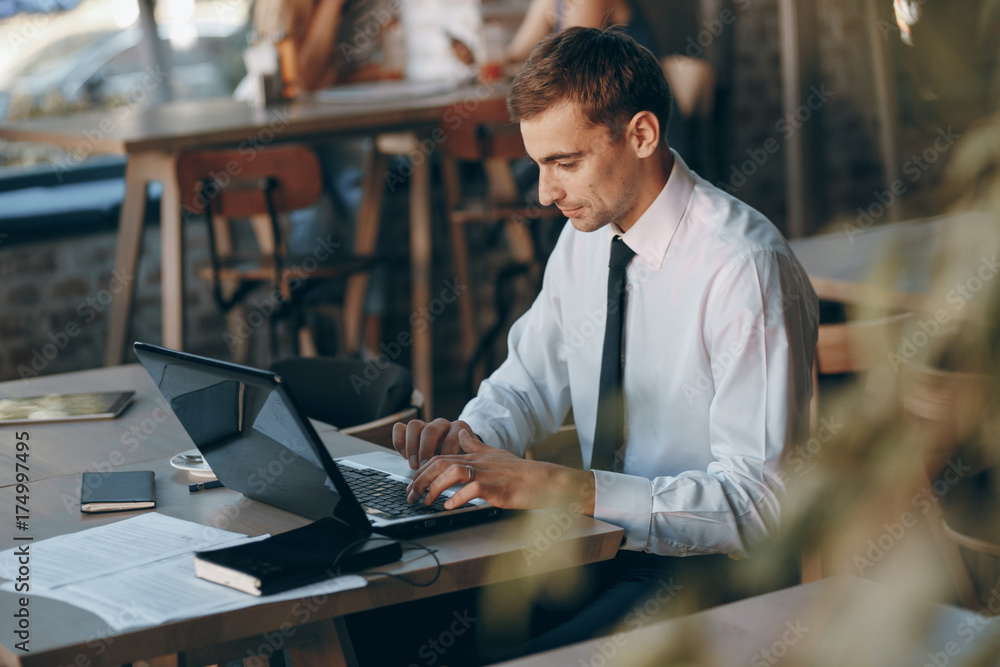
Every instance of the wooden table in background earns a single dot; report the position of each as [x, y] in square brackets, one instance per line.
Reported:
[895, 266]
[65, 635]
[153, 137]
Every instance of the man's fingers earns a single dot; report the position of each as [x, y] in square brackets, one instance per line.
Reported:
[430, 437]
[413, 431]
[455, 473]
[438, 468]
[471, 444]
[423, 478]
[450, 444]
[464, 495]
[399, 438]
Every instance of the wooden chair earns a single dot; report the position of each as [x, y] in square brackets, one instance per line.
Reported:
[482, 133]
[853, 347]
[227, 185]
[379, 431]
[846, 349]
[944, 407]
[857, 346]
[982, 563]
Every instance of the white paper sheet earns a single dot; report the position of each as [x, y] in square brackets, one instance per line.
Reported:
[168, 590]
[111, 548]
[140, 572]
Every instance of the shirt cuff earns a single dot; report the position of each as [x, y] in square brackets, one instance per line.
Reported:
[625, 501]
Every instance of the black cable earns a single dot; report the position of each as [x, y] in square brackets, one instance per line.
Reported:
[416, 546]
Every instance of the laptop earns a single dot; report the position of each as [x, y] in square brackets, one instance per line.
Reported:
[255, 437]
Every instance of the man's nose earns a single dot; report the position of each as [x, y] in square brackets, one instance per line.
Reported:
[549, 190]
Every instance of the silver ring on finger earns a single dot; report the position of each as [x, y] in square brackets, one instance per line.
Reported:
[472, 474]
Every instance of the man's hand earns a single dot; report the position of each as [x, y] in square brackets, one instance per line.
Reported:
[418, 441]
[501, 479]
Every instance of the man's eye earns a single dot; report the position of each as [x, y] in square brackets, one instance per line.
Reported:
[567, 165]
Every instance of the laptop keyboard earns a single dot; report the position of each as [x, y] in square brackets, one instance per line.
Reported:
[378, 491]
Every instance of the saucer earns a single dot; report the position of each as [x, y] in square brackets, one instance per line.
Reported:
[199, 469]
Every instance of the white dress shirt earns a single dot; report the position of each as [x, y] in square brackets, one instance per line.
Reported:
[720, 329]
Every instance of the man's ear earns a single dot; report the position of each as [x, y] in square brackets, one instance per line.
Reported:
[643, 133]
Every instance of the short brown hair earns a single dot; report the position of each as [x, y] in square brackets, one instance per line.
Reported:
[606, 72]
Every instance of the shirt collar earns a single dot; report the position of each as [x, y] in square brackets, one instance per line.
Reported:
[650, 236]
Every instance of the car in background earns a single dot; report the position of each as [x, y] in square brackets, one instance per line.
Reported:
[105, 68]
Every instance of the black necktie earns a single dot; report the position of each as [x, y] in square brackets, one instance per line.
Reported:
[609, 434]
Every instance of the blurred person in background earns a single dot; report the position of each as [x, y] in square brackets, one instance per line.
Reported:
[666, 29]
[323, 43]
[335, 41]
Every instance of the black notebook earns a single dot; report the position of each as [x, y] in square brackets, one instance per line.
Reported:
[321, 550]
[117, 491]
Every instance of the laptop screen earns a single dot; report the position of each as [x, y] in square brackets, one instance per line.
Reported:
[249, 430]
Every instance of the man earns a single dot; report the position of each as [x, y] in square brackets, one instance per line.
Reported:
[684, 413]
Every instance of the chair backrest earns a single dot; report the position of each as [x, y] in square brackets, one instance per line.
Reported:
[943, 411]
[856, 346]
[982, 562]
[346, 392]
[379, 431]
[235, 180]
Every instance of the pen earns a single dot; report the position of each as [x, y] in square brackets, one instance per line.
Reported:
[201, 486]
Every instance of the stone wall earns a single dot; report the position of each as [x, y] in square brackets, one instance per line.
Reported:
[854, 175]
[55, 295]
[845, 108]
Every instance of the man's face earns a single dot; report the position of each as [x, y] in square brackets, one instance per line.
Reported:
[592, 179]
